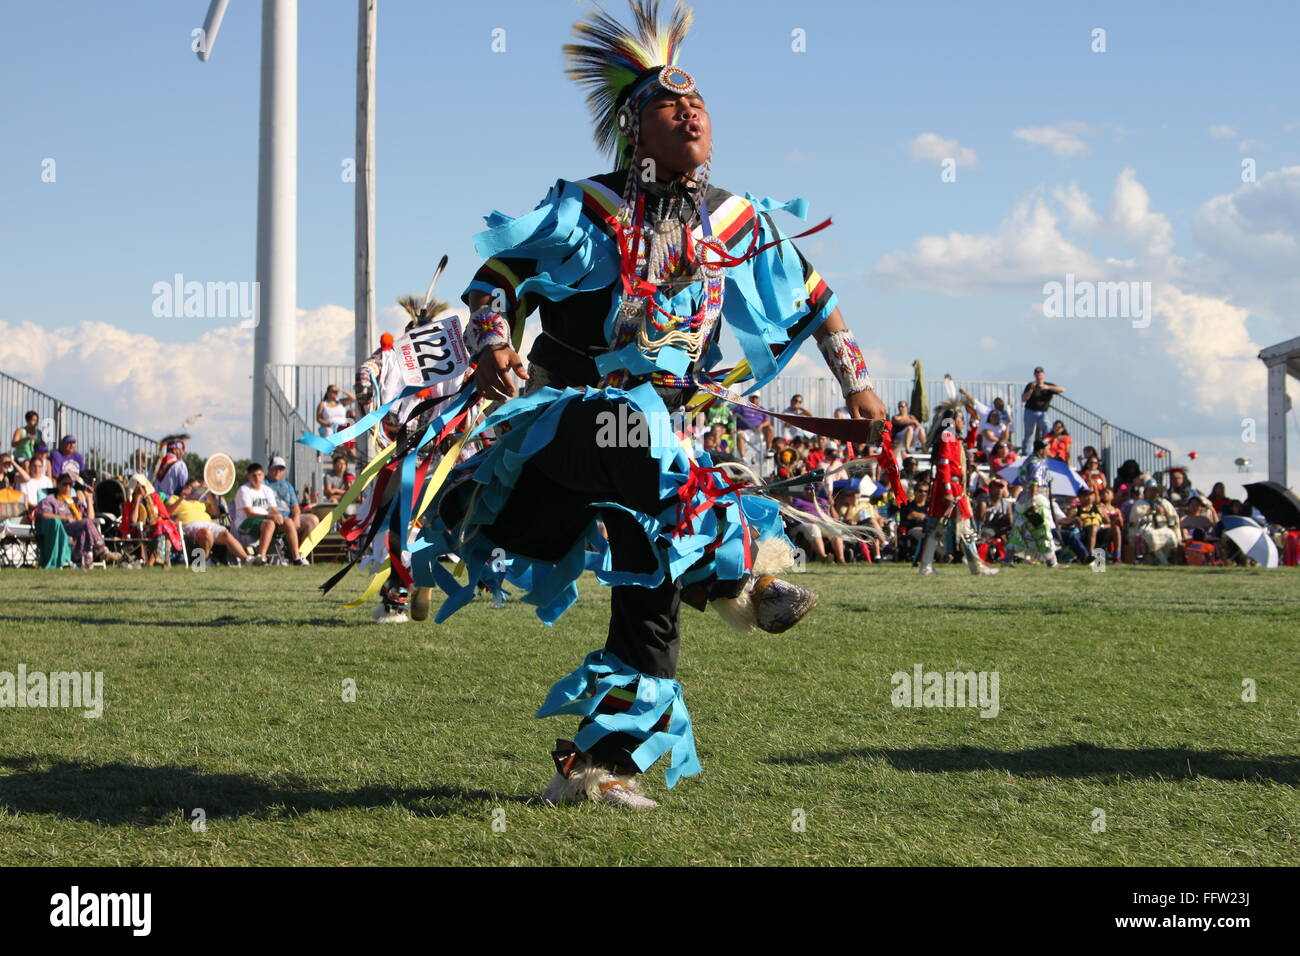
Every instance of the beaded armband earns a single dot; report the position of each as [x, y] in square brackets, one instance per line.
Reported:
[845, 361]
[485, 329]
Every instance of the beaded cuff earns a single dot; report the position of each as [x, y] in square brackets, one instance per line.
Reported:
[845, 361]
[486, 328]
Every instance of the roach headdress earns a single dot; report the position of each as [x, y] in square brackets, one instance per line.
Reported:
[622, 68]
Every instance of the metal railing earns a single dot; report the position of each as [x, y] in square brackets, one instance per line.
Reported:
[107, 448]
[308, 383]
[821, 396]
[284, 426]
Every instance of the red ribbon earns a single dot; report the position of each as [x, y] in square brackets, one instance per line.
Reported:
[889, 466]
[699, 481]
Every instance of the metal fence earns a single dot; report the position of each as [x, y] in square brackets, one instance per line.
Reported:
[821, 396]
[307, 383]
[107, 448]
[284, 426]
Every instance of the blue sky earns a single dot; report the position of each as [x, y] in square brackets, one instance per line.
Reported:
[156, 159]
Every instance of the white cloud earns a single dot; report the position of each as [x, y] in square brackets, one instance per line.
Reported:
[1077, 206]
[1198, 357]
[1028, 248]
[1207, 339]
[1250, 246]
[1223, 131]
[1064, 139]
[1131, 214]
[931, 147]
[140, 382]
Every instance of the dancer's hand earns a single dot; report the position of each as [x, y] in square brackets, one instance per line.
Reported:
[493, 373]
[866, 404]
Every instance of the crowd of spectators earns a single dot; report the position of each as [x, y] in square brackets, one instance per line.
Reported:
[157, 513]
[1130, 517]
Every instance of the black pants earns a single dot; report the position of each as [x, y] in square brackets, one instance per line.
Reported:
[550, 508]
[552, 505]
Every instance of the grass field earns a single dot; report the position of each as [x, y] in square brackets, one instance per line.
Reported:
[1119, 692]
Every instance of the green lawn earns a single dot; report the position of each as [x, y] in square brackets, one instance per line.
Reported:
[1119, 692]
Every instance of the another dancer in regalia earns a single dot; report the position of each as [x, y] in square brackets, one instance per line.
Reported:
[949, 520]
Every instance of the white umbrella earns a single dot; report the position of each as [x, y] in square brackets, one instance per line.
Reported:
[1252, 539]
[1064, 479]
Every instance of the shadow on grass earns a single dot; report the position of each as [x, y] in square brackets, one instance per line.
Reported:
[225, 620]
[1073, 760]
[118, 794]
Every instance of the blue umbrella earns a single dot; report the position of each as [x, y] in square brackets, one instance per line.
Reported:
[1064, 479]
[1251, 538]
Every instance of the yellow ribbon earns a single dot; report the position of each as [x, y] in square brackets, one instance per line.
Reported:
[376, 583]
[353, 493]
[734, 376]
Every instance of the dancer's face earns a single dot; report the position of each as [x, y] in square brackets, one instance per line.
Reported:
[677, 133]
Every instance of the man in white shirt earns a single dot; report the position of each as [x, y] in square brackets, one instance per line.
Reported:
[257, 517]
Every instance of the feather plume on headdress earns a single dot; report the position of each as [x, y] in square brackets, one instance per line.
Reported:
[421, 312]
[611, 57]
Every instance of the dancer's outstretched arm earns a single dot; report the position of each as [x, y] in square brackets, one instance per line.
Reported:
[846, 363]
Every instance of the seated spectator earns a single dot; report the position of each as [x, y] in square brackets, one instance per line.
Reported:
[1001, 456]
[1111, 536]
[11, 479]
[907, 473]
[851, 508]
[911, 521]
[287, 501]
[338, 480]
[753, 427]
[1153, 521]
[1088, 511]
[796, 408]
[38, 482]
[77, 513]
[991, 432]
[825, 547]
[908, 431]
[1218, 497]
[1058, 442]
[332, 411]
[1180, 490]
[172, 474]
[194, 508]
[145, 516]
[258, 517]
[1069, 526]
[1092, 474]
[1126, 479]
[67, 454]
[26, 437]
[1196, 519]
[995, 513]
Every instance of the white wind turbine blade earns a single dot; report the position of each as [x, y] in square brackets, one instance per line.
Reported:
[211, 24]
